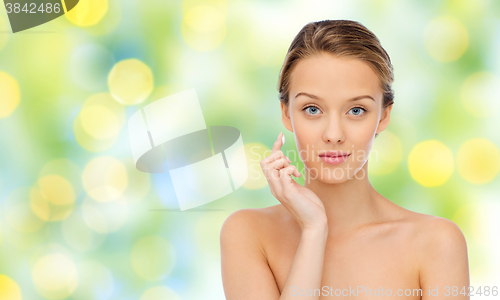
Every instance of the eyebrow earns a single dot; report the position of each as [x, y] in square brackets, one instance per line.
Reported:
[318, 98]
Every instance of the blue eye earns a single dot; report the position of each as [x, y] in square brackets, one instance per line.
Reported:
[313, 109]
[358, 109]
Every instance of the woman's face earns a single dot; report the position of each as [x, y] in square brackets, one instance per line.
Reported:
[324, 117]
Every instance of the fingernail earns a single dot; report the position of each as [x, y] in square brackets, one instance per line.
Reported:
[283, 140]
[288, 159]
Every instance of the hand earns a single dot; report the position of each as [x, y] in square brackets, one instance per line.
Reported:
[301, 202]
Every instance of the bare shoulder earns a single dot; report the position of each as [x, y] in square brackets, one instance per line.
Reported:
[433, 229]
[248, 232]
[434, 237]
[441, 234]
[422, 231]
[435, 246]
[245, 271]
[440, 251]
[250, 221]
[421, 225]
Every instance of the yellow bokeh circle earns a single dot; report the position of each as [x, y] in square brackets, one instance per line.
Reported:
[479, 94]
[67, 169]
[203, 27]
[9, 289]
[204, 18]
[153, 258]
[99, 122]
[478, 161]
[56, 189]
[46, 210]
[55, 276]
[445, 39]
[53, 199]
[430, 163]
[87, 12]
[10, 94]
[130, 81]
[105, 178]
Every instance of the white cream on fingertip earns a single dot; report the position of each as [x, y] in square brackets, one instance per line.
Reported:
[283, 140]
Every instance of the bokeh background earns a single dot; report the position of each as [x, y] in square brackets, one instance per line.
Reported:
[78, 221]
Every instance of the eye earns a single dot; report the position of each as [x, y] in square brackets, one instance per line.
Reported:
[358, 110]
[313, 109]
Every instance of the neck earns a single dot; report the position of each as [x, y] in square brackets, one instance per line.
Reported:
[350, 204]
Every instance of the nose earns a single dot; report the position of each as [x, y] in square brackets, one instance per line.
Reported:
[334, 131]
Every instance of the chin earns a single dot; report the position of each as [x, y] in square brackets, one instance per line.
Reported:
[334, 174]
[327, 173]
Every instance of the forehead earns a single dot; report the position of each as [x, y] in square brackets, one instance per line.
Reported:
[332, 77]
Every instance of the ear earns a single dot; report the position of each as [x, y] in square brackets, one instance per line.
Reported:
[384, 121]
[285, 117]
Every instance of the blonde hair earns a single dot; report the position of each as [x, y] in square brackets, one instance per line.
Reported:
[342, 38]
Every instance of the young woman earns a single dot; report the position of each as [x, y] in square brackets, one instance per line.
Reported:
[336, 236]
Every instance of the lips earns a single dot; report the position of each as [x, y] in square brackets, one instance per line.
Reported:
[334, 157]
[334, 160]
[333, 154]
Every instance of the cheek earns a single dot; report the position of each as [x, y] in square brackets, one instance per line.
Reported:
[360, 135]
[306, 137]
[361, 139]
[363, 130]
[304, 144]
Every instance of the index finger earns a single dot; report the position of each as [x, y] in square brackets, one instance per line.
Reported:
[279, 142]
